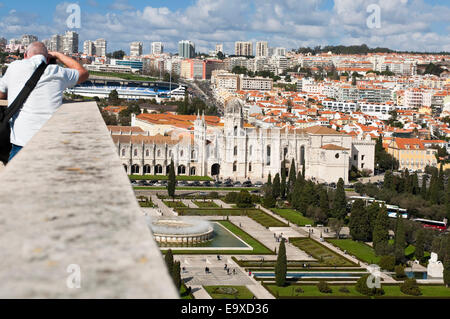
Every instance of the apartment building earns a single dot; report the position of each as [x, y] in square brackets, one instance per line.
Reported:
[157, 48]
[255, 84]
[412, 154]
[262, 49]
[196, 69]
[186, 49]
[70, 42]
[136, 48]
[242, 48]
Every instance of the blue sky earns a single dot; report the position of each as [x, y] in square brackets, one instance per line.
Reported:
[404, 24]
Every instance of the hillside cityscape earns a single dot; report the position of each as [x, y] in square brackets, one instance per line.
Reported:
[269, 172]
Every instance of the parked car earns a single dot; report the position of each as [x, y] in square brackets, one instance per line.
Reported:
[237, 184]
[195, 184]
[247, 184]
[259, 184]
[207, 183]
[228, 184]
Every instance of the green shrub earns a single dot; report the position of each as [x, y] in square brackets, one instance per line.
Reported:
[361, 287]
[231, 197]
[387, 263]
[410, 287]
[244, 199]
[214, 195]
[400, 272]
[324, 288]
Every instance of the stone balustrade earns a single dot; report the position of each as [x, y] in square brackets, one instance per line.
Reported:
[70, 225]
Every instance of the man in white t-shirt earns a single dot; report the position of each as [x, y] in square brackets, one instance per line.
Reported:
[46, 98]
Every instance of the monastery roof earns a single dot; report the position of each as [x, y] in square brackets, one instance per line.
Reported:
[333, 147]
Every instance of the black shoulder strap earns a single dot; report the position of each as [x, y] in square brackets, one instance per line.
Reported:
[25, 93]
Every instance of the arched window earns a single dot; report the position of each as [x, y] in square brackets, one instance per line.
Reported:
[135, 169]
[159, 153]
[285, 151]
[269, 154]
[193, 171]
[126, 168]
[181, 153]
[250, 166]
[158, 169]
[170, 154]
[235, 151]
[181, 170]
[235, 130]
[250, 151]
[135, 152]
[302, 155]
[147, 170]
[123, 152]
[147, 153]
[235, 166]
[193, 155]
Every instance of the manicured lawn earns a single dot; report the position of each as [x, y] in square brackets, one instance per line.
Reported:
[229, 292]
[206, 204]
[174, 204]
[215, 212]
[124, 76]
[255, 214]
[359, 250]
[265, 219]
[320, 252]
[390, 291]
[293, 216]
[427, 291]
[311, 291]
[165, 178]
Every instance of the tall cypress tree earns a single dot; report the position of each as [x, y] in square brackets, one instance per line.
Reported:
[380, 233]
[433, 192]
[292, 178]
[340, 201]
[281, 265]
[172, 180]
[400, 240]
[388, 181]
[423, 189]
[276, 187]
[283, 180]
[269, 180]
[372, 211]
[447, 201]
[415, 184]
[169, 261]
[176, 274]
[359, 222]
[420, 245]
[324, 203]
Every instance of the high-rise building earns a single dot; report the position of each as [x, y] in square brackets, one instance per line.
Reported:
[27, 39]
[186, 49]
[100, 47]
[279, 52]
[89, 48]
[70, 42]
[157, 48]
[243, 48]
[219, 48]
[262, 49]
[56, 43]
[136, 48]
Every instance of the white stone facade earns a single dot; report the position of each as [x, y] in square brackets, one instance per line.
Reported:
[243, 152]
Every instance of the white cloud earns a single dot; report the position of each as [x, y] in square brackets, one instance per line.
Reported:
[405, 25]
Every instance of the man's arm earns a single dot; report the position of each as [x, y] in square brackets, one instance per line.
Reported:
[71, 64]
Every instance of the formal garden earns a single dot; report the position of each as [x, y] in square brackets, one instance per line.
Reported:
[229, 292]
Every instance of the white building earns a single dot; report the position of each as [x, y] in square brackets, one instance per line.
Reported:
[242, 48]
[240, 151]
[262, 49]
[157, 48]
[70, 42]
[136, 48]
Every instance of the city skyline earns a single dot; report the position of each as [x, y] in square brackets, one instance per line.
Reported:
[404, 24]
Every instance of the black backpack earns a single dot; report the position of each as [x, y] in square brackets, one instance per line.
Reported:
[6, 113]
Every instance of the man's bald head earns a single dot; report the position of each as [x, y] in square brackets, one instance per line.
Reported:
[36, 48]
